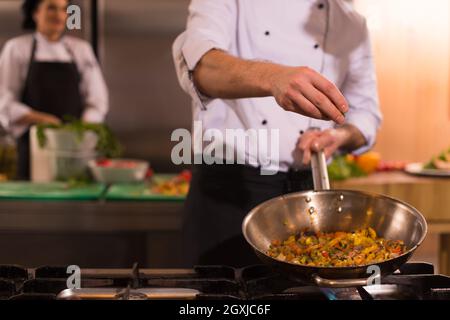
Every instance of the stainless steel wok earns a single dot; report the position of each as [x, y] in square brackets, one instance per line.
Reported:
[329, 211]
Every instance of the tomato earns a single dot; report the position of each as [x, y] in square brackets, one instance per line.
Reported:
[383, 166]
[149, 173]
[186, 175]
[396, 250]
[125, 164]
[118, 164]
[104, 163]
[391, 166]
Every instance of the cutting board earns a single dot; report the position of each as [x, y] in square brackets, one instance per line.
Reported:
[50, 191]
[141, 191]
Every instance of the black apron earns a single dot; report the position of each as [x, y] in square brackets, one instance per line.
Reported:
[219, 198]
[50, 87]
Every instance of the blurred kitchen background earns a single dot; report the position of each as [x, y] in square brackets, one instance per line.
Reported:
[134, 48]
[133, 39]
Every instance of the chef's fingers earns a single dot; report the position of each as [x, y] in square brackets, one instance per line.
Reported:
[44, 118]
[329, 151]
[50, 119]
[54, 120]
[324, 104]
[325, 140]
[330, 90]
[288, 105]
[304, 107]
[305, 145]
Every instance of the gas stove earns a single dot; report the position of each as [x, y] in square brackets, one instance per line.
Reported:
[414, 281]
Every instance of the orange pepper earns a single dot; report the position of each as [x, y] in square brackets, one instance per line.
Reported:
[368, 162]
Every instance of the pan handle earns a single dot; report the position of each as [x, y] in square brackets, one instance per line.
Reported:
[341, 283]
[320, 171]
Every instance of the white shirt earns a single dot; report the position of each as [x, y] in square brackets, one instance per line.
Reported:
[288, 32]
[14, 63]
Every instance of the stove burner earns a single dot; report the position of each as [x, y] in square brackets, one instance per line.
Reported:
[414, 281]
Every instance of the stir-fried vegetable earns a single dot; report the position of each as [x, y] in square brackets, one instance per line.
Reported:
[337, 249]
[177, 186]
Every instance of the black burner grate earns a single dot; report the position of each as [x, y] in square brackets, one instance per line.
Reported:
[412, 281]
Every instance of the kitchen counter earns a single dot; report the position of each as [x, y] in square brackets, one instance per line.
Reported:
[90, 233]
[90, 216]
[431, 196]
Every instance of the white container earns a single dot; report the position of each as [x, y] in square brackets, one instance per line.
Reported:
[64, 155]
[64, 140]
[66, 165]
[113, 174]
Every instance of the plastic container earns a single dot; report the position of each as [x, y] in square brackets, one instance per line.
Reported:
[64, 156]
[117, 174]
[64, 140]
[66, 165]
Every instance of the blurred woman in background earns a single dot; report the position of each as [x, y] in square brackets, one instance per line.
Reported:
[47, 75]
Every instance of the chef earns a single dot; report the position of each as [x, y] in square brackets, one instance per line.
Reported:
[46, 76]
[303, 67]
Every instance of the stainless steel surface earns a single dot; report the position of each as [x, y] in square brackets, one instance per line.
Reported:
[128, 294]
[319, 170]
[339, 283]
[328, 211]
[147, 103]
[120, 273]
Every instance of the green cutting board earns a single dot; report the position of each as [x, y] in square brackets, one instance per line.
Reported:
[141, 191]
[50, 191]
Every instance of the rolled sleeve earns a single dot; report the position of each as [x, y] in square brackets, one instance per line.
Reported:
[211, 25]
[193, 51]
[360, 90]
[17, 111]
[11, 112]
[93, 115]
[368, 125]
[11, 109]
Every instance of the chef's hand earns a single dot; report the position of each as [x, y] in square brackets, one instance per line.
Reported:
[36, 117]
[346, 137]
[305, 91]
[315, 141]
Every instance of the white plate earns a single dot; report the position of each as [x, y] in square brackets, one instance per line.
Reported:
[417, 169]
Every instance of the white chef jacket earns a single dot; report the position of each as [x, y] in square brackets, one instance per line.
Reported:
[325, 35]
[14, 63]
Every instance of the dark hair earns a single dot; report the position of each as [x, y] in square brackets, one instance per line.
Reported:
[29, 7]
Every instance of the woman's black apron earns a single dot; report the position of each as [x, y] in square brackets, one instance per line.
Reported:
[219, 198]
[50, 87]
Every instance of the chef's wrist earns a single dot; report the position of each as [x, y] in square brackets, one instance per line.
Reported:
[349, 138]
[269, 78]
[27, 119]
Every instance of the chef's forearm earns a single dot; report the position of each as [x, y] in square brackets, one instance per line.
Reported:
[36, 117]
[350, 138]
[220, 75]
